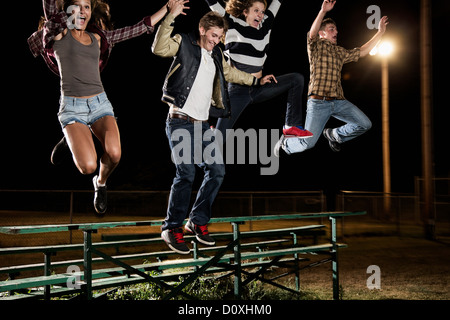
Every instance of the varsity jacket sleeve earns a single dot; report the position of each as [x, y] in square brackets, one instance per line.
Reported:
[237, 76]
[164, 45]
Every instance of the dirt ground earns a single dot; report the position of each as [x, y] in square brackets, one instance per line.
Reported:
[411, 267]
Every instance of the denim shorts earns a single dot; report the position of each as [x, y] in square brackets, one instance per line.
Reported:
[84, 110]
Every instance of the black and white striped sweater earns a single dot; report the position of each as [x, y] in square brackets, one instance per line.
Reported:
[245, 45]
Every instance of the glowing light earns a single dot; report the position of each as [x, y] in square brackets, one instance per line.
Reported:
[384, 48]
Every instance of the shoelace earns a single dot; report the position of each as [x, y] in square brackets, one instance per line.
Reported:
[179, 236]
[203, 229]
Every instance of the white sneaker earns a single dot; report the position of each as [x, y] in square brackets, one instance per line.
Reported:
[278, 145]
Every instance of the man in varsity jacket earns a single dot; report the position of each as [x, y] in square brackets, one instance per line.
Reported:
[198, 75]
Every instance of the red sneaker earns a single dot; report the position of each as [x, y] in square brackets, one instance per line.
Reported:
[174, 238]
[297, 131]
[201, 233]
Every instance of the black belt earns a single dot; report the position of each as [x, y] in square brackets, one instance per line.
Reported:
[184, 117]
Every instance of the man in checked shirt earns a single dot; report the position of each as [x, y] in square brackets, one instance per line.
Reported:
[325, 95]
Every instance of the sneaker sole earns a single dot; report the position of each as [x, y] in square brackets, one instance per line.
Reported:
[205, 242]
[333, 147]
[176, 250]
[98, 211]
[299, 137]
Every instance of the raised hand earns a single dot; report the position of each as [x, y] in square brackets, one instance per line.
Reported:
[176, 7]
[382, 24]
[268, 79]
[328, 5]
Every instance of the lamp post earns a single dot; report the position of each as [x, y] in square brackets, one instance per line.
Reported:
[428, 213]
[385, 49]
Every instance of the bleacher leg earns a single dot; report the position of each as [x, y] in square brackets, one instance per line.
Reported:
[237, 261]
[334, 257]
[47, 262]
[296, 270]
[88, 264]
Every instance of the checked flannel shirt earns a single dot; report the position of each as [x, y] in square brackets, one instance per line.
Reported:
[326, 61]
[41, 41]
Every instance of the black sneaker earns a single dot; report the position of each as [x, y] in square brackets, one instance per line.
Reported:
[100, 198]
[174, 238]
[60, 152]
[201, 233]
[332, 141]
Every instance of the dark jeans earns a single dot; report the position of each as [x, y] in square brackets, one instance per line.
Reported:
[242, 96]
[182, 141]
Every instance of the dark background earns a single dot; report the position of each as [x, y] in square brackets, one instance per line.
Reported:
[133, 81]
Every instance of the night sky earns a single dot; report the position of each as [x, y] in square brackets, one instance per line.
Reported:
[133, 80]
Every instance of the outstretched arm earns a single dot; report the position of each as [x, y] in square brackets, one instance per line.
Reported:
[367, 47]
[164, 45]
[274, 7]
[50, 8]
[215, 6]
[161, 13]
[327, 6]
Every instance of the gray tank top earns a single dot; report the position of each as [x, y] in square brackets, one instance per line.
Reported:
[78, 66]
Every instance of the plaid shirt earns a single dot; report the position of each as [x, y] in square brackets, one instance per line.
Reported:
[41, 41]
[326, 61]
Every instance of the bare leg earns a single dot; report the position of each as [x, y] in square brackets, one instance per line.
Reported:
[79, 139]
[106, 130]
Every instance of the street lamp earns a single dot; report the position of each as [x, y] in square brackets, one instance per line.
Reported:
[385, 49]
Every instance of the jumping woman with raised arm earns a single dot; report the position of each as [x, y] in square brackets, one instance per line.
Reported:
[75, 42]
[246, 44]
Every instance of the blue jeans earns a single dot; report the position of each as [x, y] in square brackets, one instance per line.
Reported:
[317, 114]
[182, 131]
[242, 96]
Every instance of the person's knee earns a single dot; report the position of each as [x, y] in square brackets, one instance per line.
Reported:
[87, 167]
[114, 155]
[186, 173]
[217, 172]
[366, 125]
[298, 79]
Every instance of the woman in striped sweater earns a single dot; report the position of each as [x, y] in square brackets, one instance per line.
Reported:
[246, 45]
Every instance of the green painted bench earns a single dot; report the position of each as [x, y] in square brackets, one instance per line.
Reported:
[235, 262]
